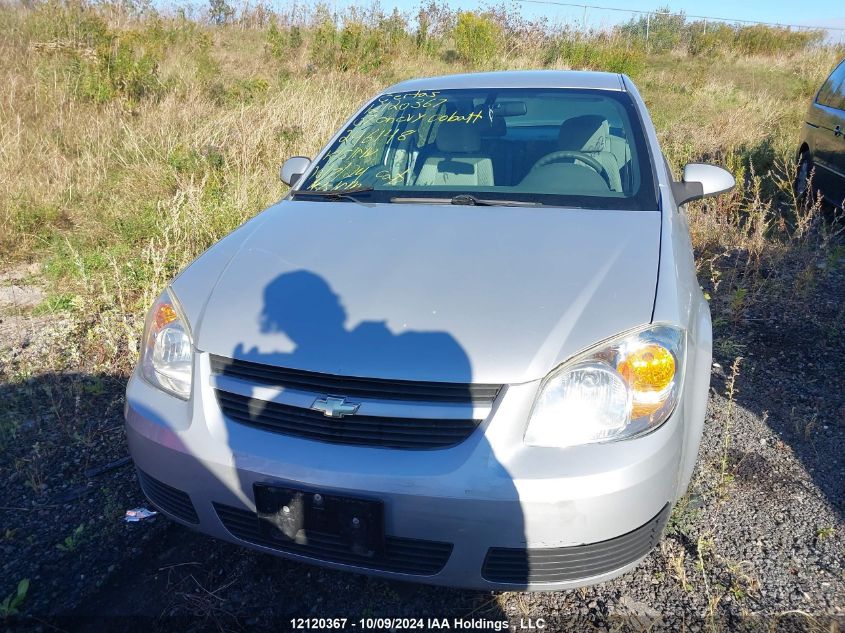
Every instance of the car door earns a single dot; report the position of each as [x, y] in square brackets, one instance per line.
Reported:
[829, 136]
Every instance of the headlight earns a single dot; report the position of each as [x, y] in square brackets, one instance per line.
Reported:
[621, 389]
[167, 353]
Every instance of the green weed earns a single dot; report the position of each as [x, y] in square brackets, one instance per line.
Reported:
[825, 532]
[683, 518]
[12, 603]
[72, 541]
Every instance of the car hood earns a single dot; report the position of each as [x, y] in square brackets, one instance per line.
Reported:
[430, 292]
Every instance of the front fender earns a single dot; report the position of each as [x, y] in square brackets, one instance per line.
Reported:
[697, 390]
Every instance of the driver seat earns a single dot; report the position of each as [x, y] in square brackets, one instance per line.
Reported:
[590, 133]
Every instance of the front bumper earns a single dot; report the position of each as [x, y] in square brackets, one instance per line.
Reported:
[489, 513]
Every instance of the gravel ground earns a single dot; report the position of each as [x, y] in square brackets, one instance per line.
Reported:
[758, 544]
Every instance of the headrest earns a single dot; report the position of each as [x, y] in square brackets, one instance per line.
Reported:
[586, 133]
[458, 138]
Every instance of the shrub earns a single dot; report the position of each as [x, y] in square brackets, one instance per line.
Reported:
[120, 69]
[477, 38]
[361, 47]
[666, 31]
[276, 44]
[597, 53]
[102, 64]
[356, 46]
[766, 40]
[132, 73]
[295, 37]
[323, 39]
[393, 28]
[710, 41]
[73, 23]
[279, 43]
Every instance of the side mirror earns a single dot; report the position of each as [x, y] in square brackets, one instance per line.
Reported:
[701, 181]
[293, 168]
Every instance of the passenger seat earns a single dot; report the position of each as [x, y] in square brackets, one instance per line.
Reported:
[458, 160]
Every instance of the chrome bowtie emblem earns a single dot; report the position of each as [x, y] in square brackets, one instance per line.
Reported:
[333, 407]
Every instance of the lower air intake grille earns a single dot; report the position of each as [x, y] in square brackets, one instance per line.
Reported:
[561, 564]
[401, 555]
[167, 498]
[359, 430]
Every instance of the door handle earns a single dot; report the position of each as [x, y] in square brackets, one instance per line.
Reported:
[837, 131]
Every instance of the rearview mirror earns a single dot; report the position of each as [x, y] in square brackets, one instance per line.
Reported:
[701, 181]
[293, 168]
[509, 108]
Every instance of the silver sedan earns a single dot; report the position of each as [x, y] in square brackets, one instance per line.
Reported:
[468, 348]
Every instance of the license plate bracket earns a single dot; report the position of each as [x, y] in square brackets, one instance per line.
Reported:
[291, 515]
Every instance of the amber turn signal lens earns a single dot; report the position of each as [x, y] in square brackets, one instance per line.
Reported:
[164, 315]
[649, 371]
[649, 368]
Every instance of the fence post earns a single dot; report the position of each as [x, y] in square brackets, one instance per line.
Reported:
[584, 20]
[705, 26]
[647, 25]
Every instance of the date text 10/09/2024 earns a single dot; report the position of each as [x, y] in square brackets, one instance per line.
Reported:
[410, 624]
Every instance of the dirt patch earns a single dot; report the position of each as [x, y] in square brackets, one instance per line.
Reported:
[19, 273]
[19, 332]
[20, 297]
[20, 292]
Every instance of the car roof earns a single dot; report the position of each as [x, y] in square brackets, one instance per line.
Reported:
[516, 79]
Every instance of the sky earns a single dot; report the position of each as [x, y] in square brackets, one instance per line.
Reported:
[812, 13]
[821, 13]
[826, 14]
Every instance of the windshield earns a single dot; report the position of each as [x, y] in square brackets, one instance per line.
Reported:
[581, 148]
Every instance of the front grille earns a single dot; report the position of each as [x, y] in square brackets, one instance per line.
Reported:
[361, 430]
[561, 564]
[367, 388]
[167, 498]
[401, 555]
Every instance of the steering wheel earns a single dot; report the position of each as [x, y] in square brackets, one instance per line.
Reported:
[582, 156]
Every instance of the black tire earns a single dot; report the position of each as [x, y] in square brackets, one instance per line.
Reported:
[802, 178]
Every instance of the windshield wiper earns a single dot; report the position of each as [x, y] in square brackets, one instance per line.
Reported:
[333, 194]
[467, 199]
